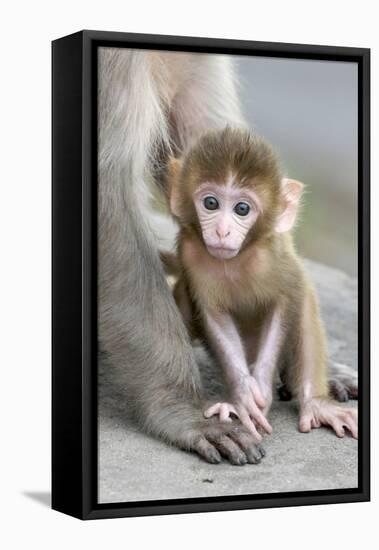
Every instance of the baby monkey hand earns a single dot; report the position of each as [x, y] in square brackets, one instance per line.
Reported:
[247, 402]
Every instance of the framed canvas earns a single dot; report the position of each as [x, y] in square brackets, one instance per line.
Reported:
[166, 359]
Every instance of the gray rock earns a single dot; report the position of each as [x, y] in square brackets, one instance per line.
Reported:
[133, 466]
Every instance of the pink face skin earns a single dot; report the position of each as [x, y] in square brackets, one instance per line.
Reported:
[226, 213]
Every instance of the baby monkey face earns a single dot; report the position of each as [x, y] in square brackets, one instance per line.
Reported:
[226, 213]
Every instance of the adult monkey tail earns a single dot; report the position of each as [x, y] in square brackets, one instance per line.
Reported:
[151, 103]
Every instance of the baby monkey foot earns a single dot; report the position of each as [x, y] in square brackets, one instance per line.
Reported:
[323, 412]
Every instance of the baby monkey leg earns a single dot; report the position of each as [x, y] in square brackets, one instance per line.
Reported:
[307, 377]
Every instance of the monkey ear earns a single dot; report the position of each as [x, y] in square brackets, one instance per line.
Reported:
[291, 191]
[174, 166]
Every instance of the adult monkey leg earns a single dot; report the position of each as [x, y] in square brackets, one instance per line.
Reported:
[144, 108]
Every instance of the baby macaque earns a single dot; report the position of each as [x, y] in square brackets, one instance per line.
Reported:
[241, 286]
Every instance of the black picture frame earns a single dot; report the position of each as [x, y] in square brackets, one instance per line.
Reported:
[74, 204]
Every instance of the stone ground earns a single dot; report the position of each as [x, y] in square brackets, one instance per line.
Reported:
[133, 466]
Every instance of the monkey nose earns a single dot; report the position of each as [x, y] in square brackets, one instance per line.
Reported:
[222, 233]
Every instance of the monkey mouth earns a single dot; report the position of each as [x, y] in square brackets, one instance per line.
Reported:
[222, 252]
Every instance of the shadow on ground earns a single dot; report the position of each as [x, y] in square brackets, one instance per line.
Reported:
[42, 497]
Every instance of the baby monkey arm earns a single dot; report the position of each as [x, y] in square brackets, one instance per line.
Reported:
[246, 397]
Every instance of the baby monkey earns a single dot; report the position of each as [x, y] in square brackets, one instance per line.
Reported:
[241, 287]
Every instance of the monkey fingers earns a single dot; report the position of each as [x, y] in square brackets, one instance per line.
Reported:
[230, 450]
[223, 410]
[247, 422]
[229, 441]
[256, 391]
[257, 415]
[205, 449]
[246, 415]
[253, 452]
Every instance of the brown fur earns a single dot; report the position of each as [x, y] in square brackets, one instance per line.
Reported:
[266, 275]
[218, 154]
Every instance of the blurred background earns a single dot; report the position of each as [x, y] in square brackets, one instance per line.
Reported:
[308, 110]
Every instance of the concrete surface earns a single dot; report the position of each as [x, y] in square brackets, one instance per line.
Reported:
[134, 467]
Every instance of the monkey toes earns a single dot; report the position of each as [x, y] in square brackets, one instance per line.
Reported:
[218, 440]
[343, 382]
[321, 412]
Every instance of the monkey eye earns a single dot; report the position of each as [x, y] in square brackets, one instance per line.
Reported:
[242, 209]
[210, 203]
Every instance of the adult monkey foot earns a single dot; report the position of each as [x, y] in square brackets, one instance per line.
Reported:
[343, 382]
[214, 440]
